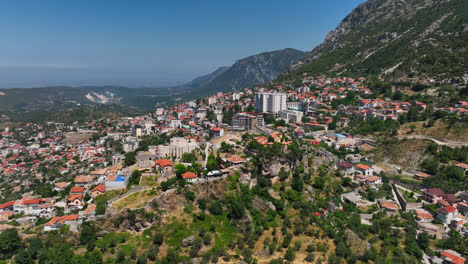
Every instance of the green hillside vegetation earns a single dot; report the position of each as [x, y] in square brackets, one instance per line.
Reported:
[423, 42]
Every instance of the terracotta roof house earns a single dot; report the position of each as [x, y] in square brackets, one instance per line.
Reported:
[4, 216]
[423, 217]
[389, 207]
[84, 180]
[367, 170]
[90, 211]
[421, 175]
[77, 190]
[189, 176]
[450, 256]
[164, 166]
[75, 200]
[98, 190]
[61, 185]
[235, 159]
[58, 221]
[374, 180]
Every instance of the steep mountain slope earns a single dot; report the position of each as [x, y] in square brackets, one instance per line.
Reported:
[397, 40]
[249, 71]
[205, 79]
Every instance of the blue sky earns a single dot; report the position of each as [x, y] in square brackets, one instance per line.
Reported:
[150, 43]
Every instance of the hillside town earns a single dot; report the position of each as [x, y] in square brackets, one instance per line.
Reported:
[56, 174]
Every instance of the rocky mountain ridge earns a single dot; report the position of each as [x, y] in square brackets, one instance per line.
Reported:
[400, 40]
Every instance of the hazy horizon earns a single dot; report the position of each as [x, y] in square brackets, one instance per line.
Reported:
[148, 44]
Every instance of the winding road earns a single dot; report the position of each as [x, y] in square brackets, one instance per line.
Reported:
[439, 141]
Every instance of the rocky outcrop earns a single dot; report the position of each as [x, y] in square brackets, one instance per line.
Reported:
[356, 244]
[187, 241]
[262, 205]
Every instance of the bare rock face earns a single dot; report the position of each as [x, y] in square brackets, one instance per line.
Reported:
[187, 241]
[357, 245]
[196, 261]
[265, 252]
[169, 200]
[262, 205]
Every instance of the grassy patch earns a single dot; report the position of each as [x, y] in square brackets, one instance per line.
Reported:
[175, 232]
[224, 230]
[135, 200]
[112, 238]
[150, 181]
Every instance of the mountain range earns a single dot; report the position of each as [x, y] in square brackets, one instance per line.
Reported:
[397, 40]
[243, 73]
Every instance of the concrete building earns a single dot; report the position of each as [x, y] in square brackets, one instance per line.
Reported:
[247, 121]
[292, 115]
[130, 144]
[176, 148]
[212, 100]
[137, 131]
[145, 159]
[446, 214]
[270, 102]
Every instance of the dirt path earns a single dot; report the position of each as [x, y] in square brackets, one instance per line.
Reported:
[439, 141]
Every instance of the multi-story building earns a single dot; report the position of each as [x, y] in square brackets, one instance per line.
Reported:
[130, 144]
[247, 121]
[433, 195]
[176, 148]
[270, 102]
[292, 115]
[212, 100]
[446, 214]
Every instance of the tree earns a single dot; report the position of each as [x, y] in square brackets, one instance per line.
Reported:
[23, 257]
[189, 196]
[88, 236]
[135, 177]
[247, 255]
[290, 255]
[10, 242]
[216, 208]
[236, 209]
[212, 163]
[130, 159]
[423, 240]
[158, 239]
[100, 206]
[180, 169]
[188, 157]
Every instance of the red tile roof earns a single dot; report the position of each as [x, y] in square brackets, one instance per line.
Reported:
[189, 175]
[77, 189]
[7, 204]
[100, 188]
[389, 205]
[362, 166]
[453, 258]
[163, 163]
[61, 219]
[73, 197]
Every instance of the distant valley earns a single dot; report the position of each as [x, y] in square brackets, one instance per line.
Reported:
[243, 73]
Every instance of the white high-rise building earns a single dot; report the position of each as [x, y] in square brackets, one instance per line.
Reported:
[270, 102]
